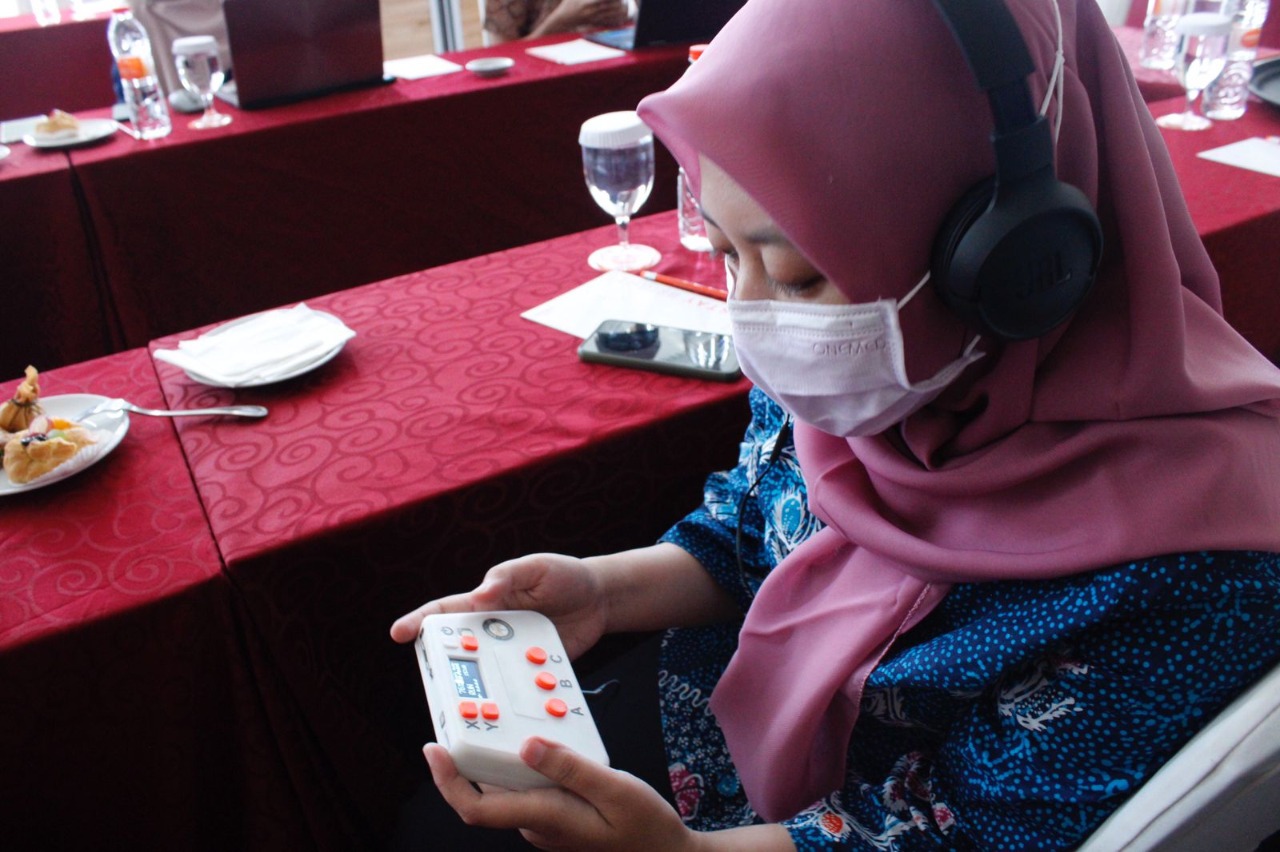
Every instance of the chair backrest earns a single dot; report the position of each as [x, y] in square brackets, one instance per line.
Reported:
[167, 20]
[1220, 792]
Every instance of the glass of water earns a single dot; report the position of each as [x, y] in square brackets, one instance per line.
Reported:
[617, 162]
[200, 71]
[1201, 56]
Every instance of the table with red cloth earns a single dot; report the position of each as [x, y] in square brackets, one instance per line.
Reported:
[1237, 213]
[64, 66]
[128, 719]
[53, 305]
[318, 196]
[448, 435]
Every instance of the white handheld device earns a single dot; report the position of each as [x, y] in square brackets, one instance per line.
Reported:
[493, 679]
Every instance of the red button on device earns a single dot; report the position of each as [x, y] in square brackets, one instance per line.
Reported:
[556, 707]
[468, 710]
[536, 655]
[489, 710]
[546, 680]
[470, 643]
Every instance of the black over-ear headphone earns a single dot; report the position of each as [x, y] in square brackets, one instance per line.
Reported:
[1018, 253]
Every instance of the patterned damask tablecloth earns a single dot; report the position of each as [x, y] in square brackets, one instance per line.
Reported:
[129, 719]
[1237, 214]
[450, 434]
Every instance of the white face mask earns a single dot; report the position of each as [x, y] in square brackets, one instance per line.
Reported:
[839, 368]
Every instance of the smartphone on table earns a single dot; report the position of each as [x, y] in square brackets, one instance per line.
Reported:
[662, 349]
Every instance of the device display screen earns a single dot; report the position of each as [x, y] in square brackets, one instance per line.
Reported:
[466, 678]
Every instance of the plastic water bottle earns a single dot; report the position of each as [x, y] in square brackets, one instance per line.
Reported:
[131, 48]
[693, 230]
[1227, 96]
[1159, 41]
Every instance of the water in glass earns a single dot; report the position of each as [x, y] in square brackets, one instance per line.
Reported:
[617, 162]
[1200, 58]
[200, 71]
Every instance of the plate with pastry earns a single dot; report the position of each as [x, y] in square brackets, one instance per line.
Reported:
[63, 130]
[54, 447]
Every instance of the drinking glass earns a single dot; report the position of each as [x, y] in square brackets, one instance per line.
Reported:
[617, 161]
[1201, 56]
[200, 71]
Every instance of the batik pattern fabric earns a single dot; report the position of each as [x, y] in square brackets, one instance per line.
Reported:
[1017, 715]
[515, 19]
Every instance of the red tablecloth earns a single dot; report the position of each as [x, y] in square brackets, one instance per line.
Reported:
[55, 308]
[292, 202]
[1237, 213]
[129, 719]
[66, 65]
[450, 434]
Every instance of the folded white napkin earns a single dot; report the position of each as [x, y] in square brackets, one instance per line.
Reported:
[575, 52]
[261, 347]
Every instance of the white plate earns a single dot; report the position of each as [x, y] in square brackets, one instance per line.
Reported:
[301, 369]
[5, 151]
[91, 130]
[110, 427]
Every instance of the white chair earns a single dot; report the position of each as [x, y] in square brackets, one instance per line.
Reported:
[1220, 792]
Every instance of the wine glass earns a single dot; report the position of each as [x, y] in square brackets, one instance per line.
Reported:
[1201, 56]
[617, 161]
[200, 71]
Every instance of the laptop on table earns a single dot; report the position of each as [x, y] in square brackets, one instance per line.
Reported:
[288, 51]
[671, 22]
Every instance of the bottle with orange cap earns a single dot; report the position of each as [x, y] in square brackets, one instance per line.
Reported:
[131, 47]
[693, 230]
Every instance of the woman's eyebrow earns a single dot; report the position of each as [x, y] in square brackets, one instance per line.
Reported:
[767, 236]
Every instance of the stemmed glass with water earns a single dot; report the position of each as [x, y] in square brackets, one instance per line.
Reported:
[200, 71]
[1201, 56]
[617, 161]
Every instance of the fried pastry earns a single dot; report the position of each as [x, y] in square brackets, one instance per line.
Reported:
[34, 452]
[21, 411]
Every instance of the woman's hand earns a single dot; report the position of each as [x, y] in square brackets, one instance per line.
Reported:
[583, 14]
[594, 808]
[562, 588]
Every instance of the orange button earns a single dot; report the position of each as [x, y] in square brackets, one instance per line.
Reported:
[556, 707]
[468, 710]
[536, 655]
[470, 643]
[489, 710]
[546, 680]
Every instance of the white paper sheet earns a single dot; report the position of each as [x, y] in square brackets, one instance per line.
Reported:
[1258, 155]
[417, 67]
[617, 295]
[575, 52]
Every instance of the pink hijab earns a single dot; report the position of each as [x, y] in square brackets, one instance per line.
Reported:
[1145, 425]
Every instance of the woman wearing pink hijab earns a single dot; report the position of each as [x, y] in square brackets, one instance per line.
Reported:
[1045, 560]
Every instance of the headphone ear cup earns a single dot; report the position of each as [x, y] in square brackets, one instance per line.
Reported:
[958, 292]
[1023, 264]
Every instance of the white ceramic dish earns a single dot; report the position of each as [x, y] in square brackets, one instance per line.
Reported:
[111, 428]
[5, 151]
[296, 370]
[490, 66]
[91, 130]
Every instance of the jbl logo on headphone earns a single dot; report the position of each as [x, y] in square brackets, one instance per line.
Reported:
[1043, 274]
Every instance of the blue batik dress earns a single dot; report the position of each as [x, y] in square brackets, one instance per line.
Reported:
[1017, 715]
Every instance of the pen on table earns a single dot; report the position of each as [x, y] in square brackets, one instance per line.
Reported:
[691, 286]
